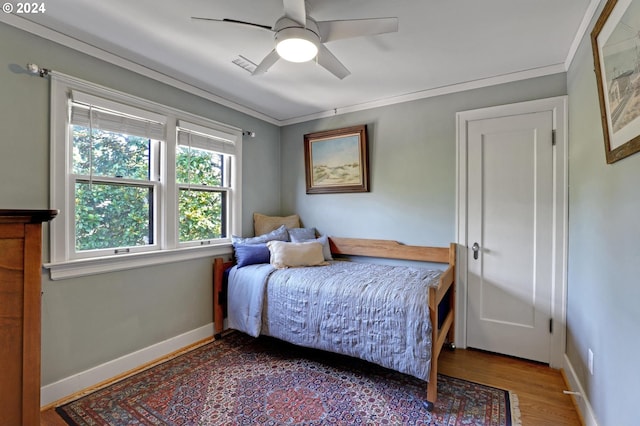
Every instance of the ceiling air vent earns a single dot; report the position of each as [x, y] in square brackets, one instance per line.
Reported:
[245, 64]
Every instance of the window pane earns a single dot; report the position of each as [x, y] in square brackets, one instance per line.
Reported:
[198, 166]
[114, 154]
[201, 215]
[112, 216]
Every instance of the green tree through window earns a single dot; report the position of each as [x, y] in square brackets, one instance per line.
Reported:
[201, 205]
[137, 183]
[111, 215]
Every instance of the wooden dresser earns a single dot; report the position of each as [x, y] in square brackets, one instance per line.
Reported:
[20, 300]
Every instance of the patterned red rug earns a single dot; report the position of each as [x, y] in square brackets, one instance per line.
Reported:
[240, 380]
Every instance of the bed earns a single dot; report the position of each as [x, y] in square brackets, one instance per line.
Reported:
[292, 304]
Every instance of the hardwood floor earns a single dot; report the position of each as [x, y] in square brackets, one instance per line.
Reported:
[538, 387]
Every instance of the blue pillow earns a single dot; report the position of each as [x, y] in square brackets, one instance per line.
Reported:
[299, 235]
[251, 254]
[280, 234]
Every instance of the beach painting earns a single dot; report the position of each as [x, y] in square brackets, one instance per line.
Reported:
[616, 49]
[337, 161]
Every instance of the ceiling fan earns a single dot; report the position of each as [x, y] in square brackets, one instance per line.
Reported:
[300, 38]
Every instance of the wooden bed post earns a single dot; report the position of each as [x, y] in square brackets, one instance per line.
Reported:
[432, 384]
[219, 294]
[218, 312]
[447, 327]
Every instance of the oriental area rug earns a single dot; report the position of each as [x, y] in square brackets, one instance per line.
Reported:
[239, 380]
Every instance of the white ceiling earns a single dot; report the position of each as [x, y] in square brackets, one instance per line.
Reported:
[441, 46]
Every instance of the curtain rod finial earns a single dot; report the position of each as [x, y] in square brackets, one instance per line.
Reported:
[35, 69]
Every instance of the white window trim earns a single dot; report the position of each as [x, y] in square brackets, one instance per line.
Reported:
[62, 264]
[91, 266]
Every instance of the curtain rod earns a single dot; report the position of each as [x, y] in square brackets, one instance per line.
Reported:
[35, 69]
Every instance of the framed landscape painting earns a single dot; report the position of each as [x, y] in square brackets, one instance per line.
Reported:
[337, 160]
[616, 51]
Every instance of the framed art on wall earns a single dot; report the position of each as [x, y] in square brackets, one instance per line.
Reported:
[615, 41]
[337, 160]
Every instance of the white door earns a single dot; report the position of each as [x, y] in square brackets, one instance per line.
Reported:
[510, 223]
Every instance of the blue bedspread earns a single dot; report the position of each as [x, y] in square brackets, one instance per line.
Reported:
[378, 313]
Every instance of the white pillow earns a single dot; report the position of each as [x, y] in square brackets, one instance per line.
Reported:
[287, 255]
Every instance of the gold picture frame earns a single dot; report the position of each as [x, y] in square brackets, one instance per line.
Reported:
[337, 160]
[615, 42]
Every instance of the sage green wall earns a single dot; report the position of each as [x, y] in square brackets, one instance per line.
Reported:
[412, 162]
[91, 320]
[604, 255]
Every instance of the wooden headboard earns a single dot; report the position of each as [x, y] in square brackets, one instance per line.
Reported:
[388, 249]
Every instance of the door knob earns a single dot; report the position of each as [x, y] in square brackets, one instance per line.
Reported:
[476, 249]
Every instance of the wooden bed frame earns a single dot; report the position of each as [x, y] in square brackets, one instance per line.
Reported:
[388, 250]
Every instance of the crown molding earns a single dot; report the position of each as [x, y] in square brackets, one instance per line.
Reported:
[582, 30]
[438, 91]
[88, 49]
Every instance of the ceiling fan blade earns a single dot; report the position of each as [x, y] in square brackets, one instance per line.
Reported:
[295, 9]
[233, 21]
[331, 63]
[337, 30]
[266, 63]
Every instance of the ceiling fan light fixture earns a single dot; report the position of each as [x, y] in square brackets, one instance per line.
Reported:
[297, 44]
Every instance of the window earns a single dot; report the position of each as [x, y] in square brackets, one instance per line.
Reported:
[203, 175]
[137, 183]
[115, 178]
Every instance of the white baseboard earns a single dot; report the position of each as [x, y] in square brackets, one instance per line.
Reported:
[581, 399]
[70, 385]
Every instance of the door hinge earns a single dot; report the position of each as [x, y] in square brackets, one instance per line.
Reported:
[553, 137]
[550, 325]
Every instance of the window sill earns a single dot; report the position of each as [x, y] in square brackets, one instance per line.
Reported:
[84, 267]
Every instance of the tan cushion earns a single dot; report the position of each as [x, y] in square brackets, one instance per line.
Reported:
[263, 224]
[288, 255]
